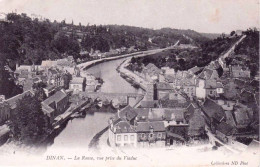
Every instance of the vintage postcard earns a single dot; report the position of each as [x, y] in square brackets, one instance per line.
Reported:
[129, 83]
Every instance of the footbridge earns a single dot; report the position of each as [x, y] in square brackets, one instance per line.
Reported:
[123, 98]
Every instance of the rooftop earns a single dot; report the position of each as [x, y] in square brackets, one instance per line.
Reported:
[123, 127]
[213, 110]
[225, 128]
[77, 80]
[157, 126]
[58, 96]
[163, 86]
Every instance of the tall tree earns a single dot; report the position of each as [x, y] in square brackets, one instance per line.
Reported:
[28, 122]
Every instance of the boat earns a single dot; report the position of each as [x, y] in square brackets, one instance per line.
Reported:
[77, 115]
[57, 127]
[135, 84]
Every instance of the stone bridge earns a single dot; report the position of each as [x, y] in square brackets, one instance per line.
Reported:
[123, 98]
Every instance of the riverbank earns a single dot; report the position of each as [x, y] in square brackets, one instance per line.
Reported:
[89, 64]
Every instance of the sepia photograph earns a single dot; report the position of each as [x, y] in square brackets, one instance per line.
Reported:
[129, 83]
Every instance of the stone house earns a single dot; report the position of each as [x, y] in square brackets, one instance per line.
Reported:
[55, 105]
[151, 134]
[122, 134]
[214, 113]
[55, 77]
[224, 132]
[78, 84]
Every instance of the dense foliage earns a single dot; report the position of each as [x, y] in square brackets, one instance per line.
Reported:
[184, 59]
[7, 83]
[247, 52]
[30, 41]
[28, 122]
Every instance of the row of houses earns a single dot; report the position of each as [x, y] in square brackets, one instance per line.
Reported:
[228, 98]
[147, 127]
[55, 74]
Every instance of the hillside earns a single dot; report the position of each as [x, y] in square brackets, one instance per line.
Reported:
[184, 59]
[30, 41]
[247, 52]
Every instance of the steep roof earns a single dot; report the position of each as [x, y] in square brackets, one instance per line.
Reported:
[190, 110]
[208, 74]
[230, 118]
[151, 69]
[142, 114]
[58, 96]
[157, 126]
[213, 110]
[225, 128]
[124, 127]
[128, 113]
[241, 117]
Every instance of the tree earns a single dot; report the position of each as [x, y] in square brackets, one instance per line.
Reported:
[28, 122]
[39, 92]
[232, 33]
[7, 84]
[220, 71]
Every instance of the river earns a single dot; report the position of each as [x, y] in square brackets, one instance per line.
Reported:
[79, 131]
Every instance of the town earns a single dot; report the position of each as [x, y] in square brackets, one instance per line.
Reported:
[192, 106]
[131, 93]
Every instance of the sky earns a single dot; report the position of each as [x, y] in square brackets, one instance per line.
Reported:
[210, 16]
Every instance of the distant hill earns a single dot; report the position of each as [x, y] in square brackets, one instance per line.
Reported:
[210, 35]
[26, 40]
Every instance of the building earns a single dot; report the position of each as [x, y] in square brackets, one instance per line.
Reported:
[55, 105]
[49, 90]
[12, 102]
[214, 113]
[122, 134]
[91, 83]
[77, 84]
[48, 64]
[224, 132]
[149, 96]
[55, 77]
[151, 134]
[238, 71]
[182, 80]
[207, 84]
[151, 72]
[163, 89]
